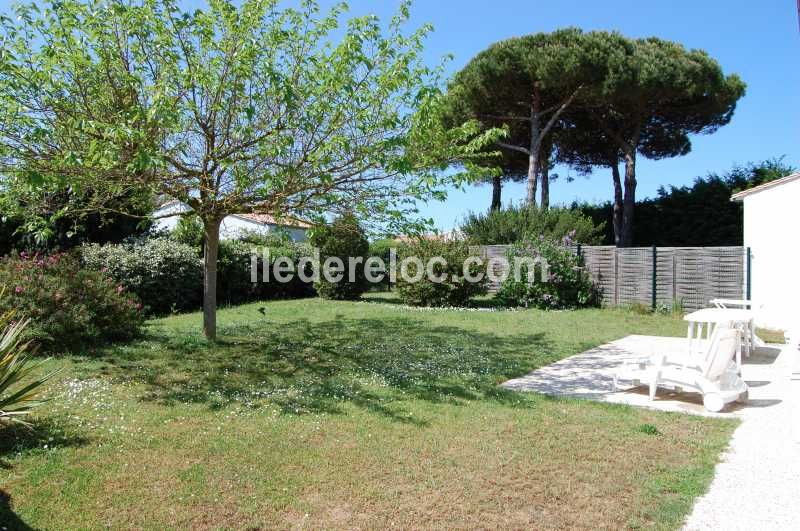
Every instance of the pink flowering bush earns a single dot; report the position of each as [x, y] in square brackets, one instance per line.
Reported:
[563, 284]
[70, 308]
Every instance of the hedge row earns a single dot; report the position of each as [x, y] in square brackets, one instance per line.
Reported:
[168, 275]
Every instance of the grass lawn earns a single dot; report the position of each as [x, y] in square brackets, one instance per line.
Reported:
[359, 415]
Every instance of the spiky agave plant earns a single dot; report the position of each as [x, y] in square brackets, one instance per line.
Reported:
[18, 392]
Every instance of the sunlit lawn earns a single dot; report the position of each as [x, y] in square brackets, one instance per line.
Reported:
[355, 415]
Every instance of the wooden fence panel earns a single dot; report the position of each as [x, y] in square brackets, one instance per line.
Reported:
[689, 275]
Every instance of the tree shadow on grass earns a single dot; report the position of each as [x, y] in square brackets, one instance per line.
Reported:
[17, 438]
[8, 518]
[305, 366]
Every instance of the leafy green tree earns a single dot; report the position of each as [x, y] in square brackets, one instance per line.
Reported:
[241, 107]
[656, 94]
[525, 84]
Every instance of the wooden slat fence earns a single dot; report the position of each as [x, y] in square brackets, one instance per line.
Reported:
[690, 275]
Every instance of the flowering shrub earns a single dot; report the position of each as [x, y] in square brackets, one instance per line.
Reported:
[454, 289]
[165, 275]
[564, 284]
[69, 307]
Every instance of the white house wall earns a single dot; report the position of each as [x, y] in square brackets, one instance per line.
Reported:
[231, 227]
[771, 226]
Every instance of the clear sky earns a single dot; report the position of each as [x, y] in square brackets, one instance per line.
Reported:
[759, 40]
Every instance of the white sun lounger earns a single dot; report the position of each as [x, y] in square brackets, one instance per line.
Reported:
[712, 374]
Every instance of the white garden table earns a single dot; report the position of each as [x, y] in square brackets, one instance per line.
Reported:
[704, 321]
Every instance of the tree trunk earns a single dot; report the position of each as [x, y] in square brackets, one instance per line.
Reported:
[629, 200]
[545, 184]
[617, 216]
[211, 230]
[497, 189]
[533, 155]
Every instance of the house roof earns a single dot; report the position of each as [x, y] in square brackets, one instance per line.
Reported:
[766, 186]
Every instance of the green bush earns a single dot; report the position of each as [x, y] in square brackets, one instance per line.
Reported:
[567, 284]
[166, 275]
[454, 290]
[234, 284]
[381, 249]
[189, 231]
[70, 307]
[343, 239]
[517, 223]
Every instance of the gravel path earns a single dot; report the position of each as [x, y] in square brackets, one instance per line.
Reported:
[756, 484]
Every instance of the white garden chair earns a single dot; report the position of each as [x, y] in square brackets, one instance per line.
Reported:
[713, 373]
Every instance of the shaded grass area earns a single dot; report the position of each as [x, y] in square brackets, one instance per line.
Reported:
[352, 415]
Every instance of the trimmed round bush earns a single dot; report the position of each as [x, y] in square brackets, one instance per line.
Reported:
[564, 284]
[417, 289]
[342, 239]
[70, 307]
[166, 275]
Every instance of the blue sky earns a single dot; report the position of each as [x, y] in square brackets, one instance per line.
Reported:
[760, 41]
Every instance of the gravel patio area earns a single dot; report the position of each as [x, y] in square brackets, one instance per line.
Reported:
[754, 486]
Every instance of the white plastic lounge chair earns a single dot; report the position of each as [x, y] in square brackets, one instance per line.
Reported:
[713, 373]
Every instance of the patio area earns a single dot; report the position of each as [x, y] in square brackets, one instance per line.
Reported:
[591, 375]
[754, 484]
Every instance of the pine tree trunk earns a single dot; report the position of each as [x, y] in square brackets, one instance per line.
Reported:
[497, 190]
[545, 184]
[629, 199]
[617, 215]
[533, 155]
[211, 230]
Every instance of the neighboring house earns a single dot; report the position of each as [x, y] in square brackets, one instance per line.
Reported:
[168, 214]
[771, 224]
[449, 236]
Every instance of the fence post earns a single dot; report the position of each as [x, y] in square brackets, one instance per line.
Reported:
[579, 253]
[616, 276]
[655, 270]
[749, 277]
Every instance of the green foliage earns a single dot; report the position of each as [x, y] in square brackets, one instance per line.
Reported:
[237, 107]
[166, 275]
[454, 290]
[698, 215]
[565, 285]
[648, 429]
[275, 238]
[382, 249]
[516, 223]
[343, 239]
[189, 231]
[54, 218]
[69, 307]
[234, 284]
[18, 391]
